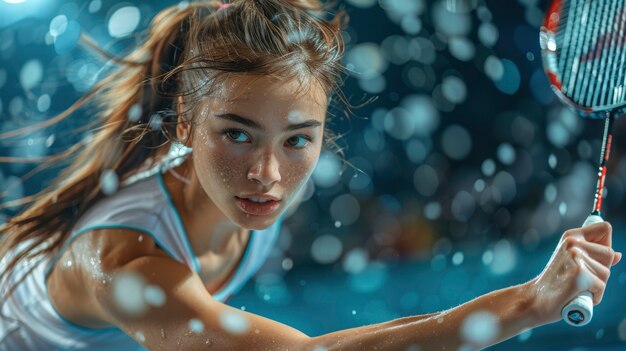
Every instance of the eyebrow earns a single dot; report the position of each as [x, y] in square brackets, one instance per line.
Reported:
[252, 124]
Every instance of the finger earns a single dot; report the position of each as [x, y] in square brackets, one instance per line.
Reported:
[587, 281]
[603, 254]
[617, 258]
[597, 290]
[598, 233]
[596, 268]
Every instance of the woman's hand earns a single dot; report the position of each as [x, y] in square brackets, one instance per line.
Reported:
[581, 262]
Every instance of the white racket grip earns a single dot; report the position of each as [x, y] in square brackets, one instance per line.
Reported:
[579, 311]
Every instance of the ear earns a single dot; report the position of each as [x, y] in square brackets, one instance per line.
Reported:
[183, 127]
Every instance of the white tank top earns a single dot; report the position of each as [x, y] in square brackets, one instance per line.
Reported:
[28, 321]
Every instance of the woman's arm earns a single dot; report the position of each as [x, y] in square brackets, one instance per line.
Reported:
[167, 327]
[499, 315]
[581, 261]
[512, 310]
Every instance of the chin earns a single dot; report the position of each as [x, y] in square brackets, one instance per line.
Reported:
[252, 222]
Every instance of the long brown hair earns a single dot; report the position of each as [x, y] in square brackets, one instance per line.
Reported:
[187, 50]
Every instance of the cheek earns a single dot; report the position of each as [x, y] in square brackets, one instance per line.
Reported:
[217, 168]
[297, 173]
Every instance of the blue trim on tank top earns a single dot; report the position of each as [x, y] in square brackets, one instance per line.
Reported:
[179, 221]
[244, 259]
[276, 227]
[73, 237]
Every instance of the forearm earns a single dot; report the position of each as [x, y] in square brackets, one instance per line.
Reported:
[511, 308]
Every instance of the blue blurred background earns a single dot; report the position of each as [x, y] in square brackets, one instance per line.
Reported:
[469, 169]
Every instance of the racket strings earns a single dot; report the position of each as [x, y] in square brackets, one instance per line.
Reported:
[589, 34]
[602, 39]
[610, 75]
[591, 54]
[594, 56]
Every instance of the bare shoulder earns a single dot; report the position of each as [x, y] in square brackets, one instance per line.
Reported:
[87, 265]
[182, 295]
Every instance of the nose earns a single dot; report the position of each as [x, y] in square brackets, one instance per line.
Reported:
[266, 170]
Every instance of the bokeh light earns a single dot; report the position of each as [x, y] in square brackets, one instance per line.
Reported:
[457, 180]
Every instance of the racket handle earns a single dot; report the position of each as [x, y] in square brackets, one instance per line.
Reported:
[579, 311]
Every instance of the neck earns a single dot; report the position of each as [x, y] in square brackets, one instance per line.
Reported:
[209, 231]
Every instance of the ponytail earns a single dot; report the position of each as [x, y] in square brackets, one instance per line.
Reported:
[135, 120]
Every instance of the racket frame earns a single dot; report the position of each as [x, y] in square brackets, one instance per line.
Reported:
[549, 54]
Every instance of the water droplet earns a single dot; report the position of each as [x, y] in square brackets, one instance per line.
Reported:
[109, 182]
[562, 208]
[287, 263]
[156, 121]
[552, 161]
[58, 25]
[457, 258]
[134, 113]
[196, 326]
[480, 328]
[154, 295]
[50, 140]
[234, 322]
[31, 74]
[504, 257]
[128, 293]
[488, 34]
[140, 337]
[488, 167]
[506, 153]
[124, 21]
[493, 68]
[95, 6]
[479, 185]
[355, 261]
[487, 257]
[432, 210]
[326, 249]
[326, 172]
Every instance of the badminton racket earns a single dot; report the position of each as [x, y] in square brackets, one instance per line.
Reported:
[584, 57]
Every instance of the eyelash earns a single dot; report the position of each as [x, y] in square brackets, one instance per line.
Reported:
[226, 132]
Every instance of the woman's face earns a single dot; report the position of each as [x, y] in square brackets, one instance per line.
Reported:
[257, 136]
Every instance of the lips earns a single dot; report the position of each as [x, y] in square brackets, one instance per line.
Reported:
[257, 208]
[259, 196]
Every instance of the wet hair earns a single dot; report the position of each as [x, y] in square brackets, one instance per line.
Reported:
[187, 51]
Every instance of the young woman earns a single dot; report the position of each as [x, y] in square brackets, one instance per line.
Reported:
[131, 248]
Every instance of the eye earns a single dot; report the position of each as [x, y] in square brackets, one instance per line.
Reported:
[293, 141]
[235, 135]
[238, 136]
